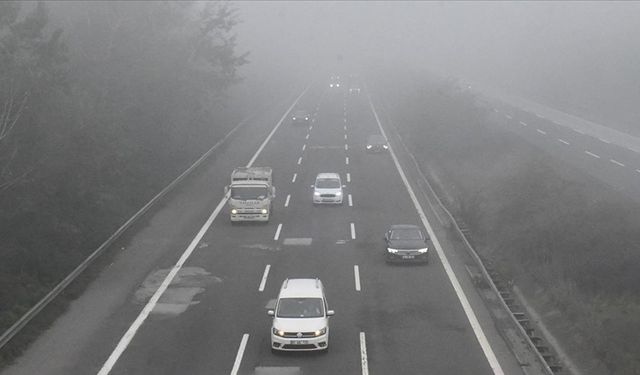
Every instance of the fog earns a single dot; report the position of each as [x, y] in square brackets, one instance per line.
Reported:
[575, 55]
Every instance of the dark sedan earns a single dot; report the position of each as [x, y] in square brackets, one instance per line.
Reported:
[376, 143]
[406, 243]
[300, 117]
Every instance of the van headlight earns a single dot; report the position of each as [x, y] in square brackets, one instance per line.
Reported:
[264, 211]
[392, 251]
[338, 193]
[422, 251]
[320, 332]
[277, 332]
[234, 211]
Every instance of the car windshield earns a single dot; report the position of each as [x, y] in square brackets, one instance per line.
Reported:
[377, 139]
[249, 192]
[300, 113]
[406, 234]
[300, 308]
[327, 183]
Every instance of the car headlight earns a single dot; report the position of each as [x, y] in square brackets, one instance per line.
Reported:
[422, 251]
[385, 147]
[369, 147]
[338, 193]
[234, 211]
[294, 119]
[277, 332]
[337, 85]
[320, 332]
[392, 251]
[331, 85]
[316, 193]
[306, 118]
[264, 211]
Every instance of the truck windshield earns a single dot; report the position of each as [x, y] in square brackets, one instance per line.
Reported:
[249, 192]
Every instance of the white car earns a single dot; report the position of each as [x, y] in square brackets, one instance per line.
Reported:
[301, 317]
[327, 189]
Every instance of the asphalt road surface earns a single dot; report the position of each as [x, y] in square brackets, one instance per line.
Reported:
[210, 317]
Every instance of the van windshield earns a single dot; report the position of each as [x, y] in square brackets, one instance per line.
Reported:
[327, 183]
[300, 308]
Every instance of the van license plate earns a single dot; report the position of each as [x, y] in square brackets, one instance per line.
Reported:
[299, 342]
[408, 256]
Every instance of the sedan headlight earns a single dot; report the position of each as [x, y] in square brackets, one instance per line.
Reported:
[316, 193]
[264, 211]
[338, 193]
[234, 211]
[306, 118]
[277, 332]
[422, 251]
[392, 251]
[320, 332]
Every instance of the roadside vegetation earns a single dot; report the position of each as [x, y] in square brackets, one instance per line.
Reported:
[569, 241]
[101, 105]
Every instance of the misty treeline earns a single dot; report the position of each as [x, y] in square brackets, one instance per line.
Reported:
[101, 104]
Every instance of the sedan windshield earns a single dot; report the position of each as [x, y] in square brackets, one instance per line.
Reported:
[300, 308]
[248, 192]
[328, 183]
[406, 234]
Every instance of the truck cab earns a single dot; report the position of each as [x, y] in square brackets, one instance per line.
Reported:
[251, 194]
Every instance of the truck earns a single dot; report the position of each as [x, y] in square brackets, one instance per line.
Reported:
[251, 194]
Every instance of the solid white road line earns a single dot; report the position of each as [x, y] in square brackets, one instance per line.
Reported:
[300, 160]
[604, 141]
[363, 354]
[304, 146]
[356, 275]
[592, 154]
[137, 323]
[295, 175]
[563, 141]
[348, 177]
[508, 116]
[353, 231]
[243, 345]
[464, 301]
[541, 131]
[263, 282]
[346, 160]
[616, 162]
[350, 201]
[286, 202]
[523, 123]
[277, 235]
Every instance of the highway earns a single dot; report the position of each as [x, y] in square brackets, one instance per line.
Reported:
[187, 293]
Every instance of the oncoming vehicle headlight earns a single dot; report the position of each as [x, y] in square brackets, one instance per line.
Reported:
[337, 85]
[385, 147]
[392, 251]
[338, 193]
[264, 211]
[331, 85]
[278, 332]
[307, 118]
[320, 332]
[234, 211]
[369, 147]
[316, 193]
[422, 251]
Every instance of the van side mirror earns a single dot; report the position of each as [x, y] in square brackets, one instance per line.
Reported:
[331, 313]
[271, 312]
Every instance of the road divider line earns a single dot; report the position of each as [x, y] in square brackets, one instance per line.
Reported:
[616, 162]
[464, 301]
[541, 131]
[286, 202]
[592, 154]
[277, 235]
[523, 123]
[295, 175]
[350, 201]
[304, 147]
[346, 160]
[353, 231]
[300, 160]
[363, 354]
[263, 281]
[348, 177]
[243, 346]
[356, 276]
[137, 323]
[563, 141]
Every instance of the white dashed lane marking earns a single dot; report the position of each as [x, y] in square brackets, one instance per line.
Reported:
[616, 162]
[346, 146]
[563, 141]
[592, 154]
[363, 354]
[356, 276]
[353, 231]
[286, 202]
[541, 131]
[307, 137]
[300, 160]
[578, 131]
[523, 123]
[304, 147]
[508, 116]
[263, 282]
[350, 201]
[277, 235]
[604, 141]
[346, 160]
[348, 177]
[295, 175]
[345, 136]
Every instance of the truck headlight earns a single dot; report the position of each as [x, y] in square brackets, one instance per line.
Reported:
[392, 251]
[264, 211]
[277, 332]
[320, 332]
[234, 211]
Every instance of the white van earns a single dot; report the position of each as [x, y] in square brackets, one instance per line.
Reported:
[327, 189]
[301, 317]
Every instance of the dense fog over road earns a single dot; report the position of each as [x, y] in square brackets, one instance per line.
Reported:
[577, 55]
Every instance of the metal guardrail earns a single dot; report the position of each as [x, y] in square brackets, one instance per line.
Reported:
[62, 285]
[549, 369]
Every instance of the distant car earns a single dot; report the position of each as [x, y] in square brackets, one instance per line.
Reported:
[376, 143]
[406, 243]
[335, 82]
[354, 89]
[327, 189]
[300, 317]
[300, 116]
